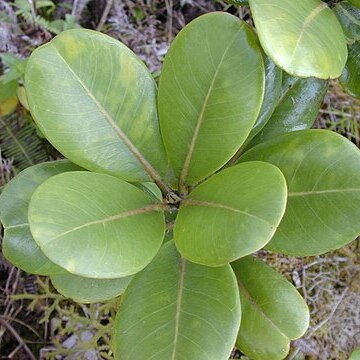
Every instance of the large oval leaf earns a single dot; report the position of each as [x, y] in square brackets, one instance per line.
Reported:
[96, 103]
[96, 225]
[297, 108]
[322, 170]
[19, 246]
[232, 214]
[350, 78]
[210, 93]
[300, 36]
[178, 310]
[349, 17]
[87, 290]
[273, 311]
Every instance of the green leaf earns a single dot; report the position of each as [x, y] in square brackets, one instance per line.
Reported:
[19, 246]
[16, 67]
[96, 225]
[95, 101]
[297, 108]
[178, 310]
[86, 290]
[273, 311]
[300, 36]
[356, 353]
[322, 170]
[349, 17]
[232, 214]
[151, 189]
[10, 60]
[350, 77]
[273, 81]
[237, 2]
[7, 90]
[210, 93]
[355, 3]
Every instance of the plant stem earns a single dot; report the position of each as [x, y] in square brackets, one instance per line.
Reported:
[33, 9]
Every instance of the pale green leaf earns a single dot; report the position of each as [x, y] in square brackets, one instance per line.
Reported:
[322, 170]
[19, 246]
[96, 225]
[210, 94]
[176, 310]
[232, 214]
[96, 103]
[350, 78]
[355, 355]
[86, 290]
[304, 37]
[273, 311]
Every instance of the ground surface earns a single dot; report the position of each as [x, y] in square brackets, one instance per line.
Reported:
[36, 322]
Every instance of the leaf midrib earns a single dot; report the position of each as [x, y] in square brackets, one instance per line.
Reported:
[319, 192]
[180, 291]
[122, 215]
[15, 226]
[185, 170]
[257, 307]
[193, 202]
[309, 18]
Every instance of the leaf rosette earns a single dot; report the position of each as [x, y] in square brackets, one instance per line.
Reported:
[148, 165]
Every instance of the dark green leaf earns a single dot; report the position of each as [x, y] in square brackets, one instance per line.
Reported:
[178, 310]
[350, 78]
[349, 17]
[273, 311]
[273, 81]
[96, 225]
[232, 214]
[237, 2]
[322, 170]
[297, 108]
[304, 37]
[210, 93]
[355, 3]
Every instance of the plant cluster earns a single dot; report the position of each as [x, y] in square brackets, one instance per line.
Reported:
[168, 191]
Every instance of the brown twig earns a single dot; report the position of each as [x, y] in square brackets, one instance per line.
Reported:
[18, 338]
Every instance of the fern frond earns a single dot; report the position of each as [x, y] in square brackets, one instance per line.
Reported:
[19, 140]
[40, 21]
